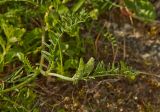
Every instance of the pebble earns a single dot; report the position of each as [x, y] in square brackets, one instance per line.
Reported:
[140, 42]
[127, 27]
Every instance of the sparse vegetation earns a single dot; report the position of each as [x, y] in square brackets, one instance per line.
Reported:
[64, 41]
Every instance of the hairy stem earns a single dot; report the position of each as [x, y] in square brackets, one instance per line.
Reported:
[58, 75]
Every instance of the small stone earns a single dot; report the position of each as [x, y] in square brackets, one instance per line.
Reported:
[75, 104]
[66, 99]
[121, 110]
[128, 27]
[136, 98]
[145, 56]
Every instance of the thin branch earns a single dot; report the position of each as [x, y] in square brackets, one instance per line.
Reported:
[34, 75]
[58, 75]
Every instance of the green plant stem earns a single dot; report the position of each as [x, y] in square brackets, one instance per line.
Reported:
[58, 75]
[43, 46]
[61, 57]
[21, 84]
[104, 75]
